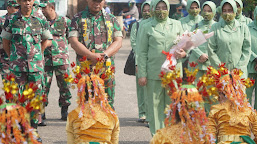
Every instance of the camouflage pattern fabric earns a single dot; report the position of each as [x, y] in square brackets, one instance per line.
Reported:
[26, 59]
[65, 95]
[57, 59]
[4, 59]
[58, 53]
[97, 32]
[26, 35]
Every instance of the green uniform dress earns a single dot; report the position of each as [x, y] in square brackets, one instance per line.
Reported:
[231, 44]
[252, 73]
[204, 25]
[26, 59]
[97, 32]
[140, 89]
[156, 37]
[189, 22]
[57, 58]
[143, 22]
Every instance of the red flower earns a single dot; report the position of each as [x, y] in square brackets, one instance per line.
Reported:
[96, 71]
[162, 74]
[204, 92]
[222, 65]
[103, 76]
[29, 108]
[219, 85]
[72, 64]
[44, 97]
[172, 67]
[193, 64]
[76, 81]
[87, 71]
[179, 80]
[252, 81]
[21, 98]
[9, 96]
[199, 84]
[78, 76]
[1, 101]
[113, 69]
[66, 75]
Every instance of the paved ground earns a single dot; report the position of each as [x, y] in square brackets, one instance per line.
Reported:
[125, 105]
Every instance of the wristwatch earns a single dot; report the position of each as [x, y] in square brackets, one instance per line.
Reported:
[106, 56]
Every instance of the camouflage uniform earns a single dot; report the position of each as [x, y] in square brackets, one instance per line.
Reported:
[4, 59]
[26, 59]
[57, 58]
[97, 32]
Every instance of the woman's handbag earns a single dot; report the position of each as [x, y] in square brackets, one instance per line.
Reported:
[130, 66]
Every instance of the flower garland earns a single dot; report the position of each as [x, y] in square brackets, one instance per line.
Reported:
[85, 35]
[91, 79]
[188, 103]
[108, 24]
[15, 125]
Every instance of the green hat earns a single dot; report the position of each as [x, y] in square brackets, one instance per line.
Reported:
[240, 3]
[189, 3]
[12, 3]
[212, 5]
[165, 1]
[231, 2]
[45, 2]
[142, 6]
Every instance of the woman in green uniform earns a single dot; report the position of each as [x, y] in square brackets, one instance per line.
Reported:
[252, 65]
[145, 10]
[199, 55]
[193, 18]
[231, 43]
[241, 18]
[157, 36]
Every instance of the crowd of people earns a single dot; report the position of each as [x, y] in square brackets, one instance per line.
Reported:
[204, 98]
[232, 46]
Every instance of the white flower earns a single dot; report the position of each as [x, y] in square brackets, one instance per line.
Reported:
[179, 107]
[80, 114]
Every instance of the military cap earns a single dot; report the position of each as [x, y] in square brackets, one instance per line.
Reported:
[36, 2]
[45, 2]
[12, 3]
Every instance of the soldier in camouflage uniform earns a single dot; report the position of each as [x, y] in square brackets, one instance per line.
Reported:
[57, 56]
[12, 7]
[96, 34]
[25, 37]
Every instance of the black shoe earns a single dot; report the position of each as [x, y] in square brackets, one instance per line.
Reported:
[43, 115]
[147, 125]
[42, 123]
[64, 113]
[39, 140]
[141, 120]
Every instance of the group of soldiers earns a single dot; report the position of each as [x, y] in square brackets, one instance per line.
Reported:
[34, 46]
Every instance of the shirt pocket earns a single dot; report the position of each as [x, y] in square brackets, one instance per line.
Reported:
[36, 35]
[17, 35]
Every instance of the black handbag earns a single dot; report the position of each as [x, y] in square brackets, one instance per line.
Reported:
[130, 66]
